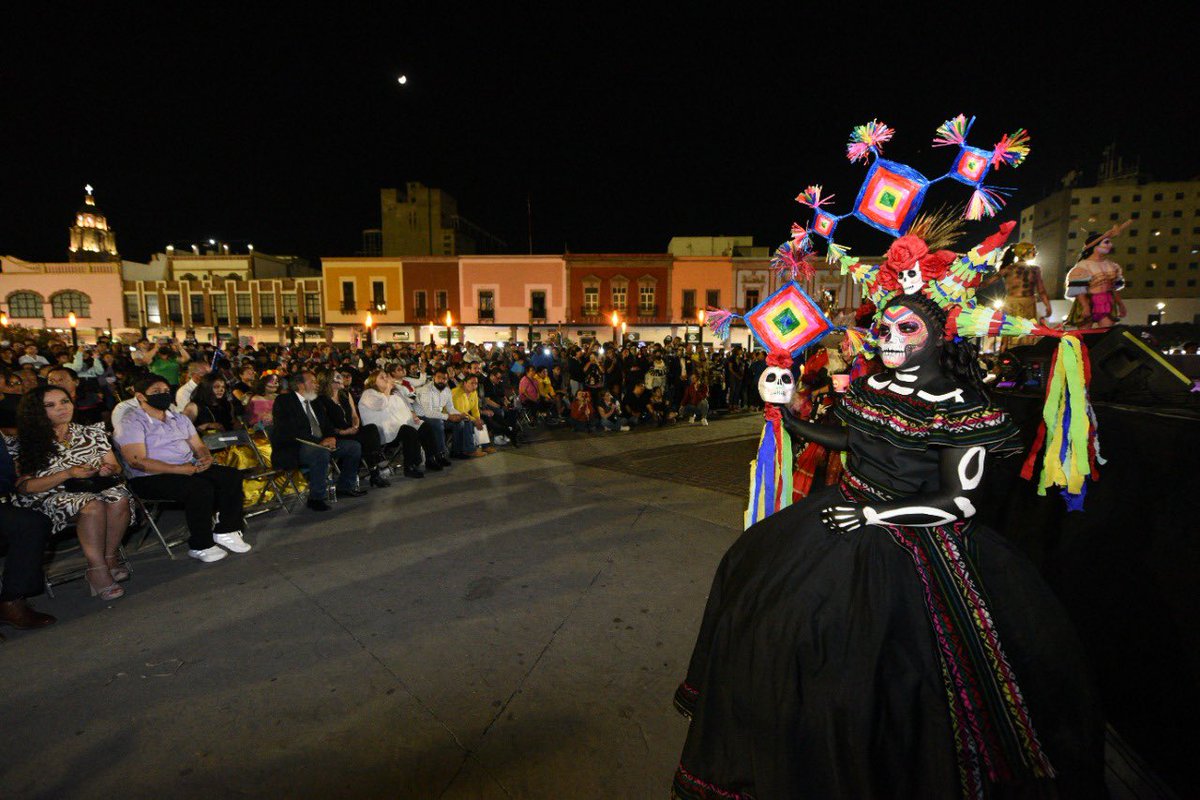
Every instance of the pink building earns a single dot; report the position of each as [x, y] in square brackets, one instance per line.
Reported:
[501, 296]
[43, 295]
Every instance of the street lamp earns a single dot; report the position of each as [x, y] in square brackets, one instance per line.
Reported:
[700, 327]
[622, 333]
[74, 334]
[449, 322]
[615, 321]
[4, 319]
[370, 321]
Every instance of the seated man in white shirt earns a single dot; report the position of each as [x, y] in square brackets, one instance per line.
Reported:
[435, 405]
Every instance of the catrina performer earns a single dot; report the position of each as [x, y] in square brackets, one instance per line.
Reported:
[874, 640]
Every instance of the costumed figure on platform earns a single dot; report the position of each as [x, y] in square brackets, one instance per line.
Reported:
[874, 639]
[1095, 281]
[1023, 282]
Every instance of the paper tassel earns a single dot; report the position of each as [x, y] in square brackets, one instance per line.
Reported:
[1068, 427]
[1011, 150]
[836, 253]
[790, 262]
[953, 132]
[856, 340]
[811, 197]
[869, 138]
[985, 202]
[985, 321]
[718, 321]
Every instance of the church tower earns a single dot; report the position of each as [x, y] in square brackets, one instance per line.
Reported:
[91, 238]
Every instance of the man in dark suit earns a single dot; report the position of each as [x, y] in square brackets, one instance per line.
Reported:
[303, 438]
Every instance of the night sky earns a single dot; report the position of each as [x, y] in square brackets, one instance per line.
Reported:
[623, 129]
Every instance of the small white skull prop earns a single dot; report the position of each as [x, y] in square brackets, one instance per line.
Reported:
[776, 386]
[910, 279]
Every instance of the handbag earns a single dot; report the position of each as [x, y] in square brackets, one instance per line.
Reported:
[92, 485]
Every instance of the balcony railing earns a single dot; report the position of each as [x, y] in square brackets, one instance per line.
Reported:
[312, 319]
[689, 312]
[537, 313]
[348, 308]
[647, 311]
[266, 320]
[487, 315]
[198, 318]
[379, 306]
[420, 313]
[176, 318]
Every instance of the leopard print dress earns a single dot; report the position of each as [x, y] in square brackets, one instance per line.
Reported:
[86, 446]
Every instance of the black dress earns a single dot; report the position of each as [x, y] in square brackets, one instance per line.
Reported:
[888, 662]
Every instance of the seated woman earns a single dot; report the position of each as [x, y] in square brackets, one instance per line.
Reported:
[381, 407]
[342, 412]
[69, 473]
[659, 409]
[211, 409]
[243, 388]
[262, 400]
[168, 461]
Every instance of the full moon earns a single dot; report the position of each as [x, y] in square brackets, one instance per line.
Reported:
[403, 79]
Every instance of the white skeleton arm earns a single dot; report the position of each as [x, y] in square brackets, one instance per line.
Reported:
[960, 471]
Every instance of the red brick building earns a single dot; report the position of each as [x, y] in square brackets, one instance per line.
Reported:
[637, 287]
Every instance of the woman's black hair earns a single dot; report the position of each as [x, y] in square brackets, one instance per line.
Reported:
[35, 432]
[204, 394]
[959, 356]
[1090, 240]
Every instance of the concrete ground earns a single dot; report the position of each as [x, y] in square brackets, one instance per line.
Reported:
[514, 628]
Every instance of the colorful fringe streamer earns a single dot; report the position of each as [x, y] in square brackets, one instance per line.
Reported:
[835, 253]
[811, 197]
[1068, 427]
[985, 202]
[953, 132]
[1011, 150]
[718, 321]
[770, 471]
[866, 139]
[790, 262]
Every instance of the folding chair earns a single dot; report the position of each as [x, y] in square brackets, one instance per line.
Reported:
[264, 472]
[281, 479]
[148, 508]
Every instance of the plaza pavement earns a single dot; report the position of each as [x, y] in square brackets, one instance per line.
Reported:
[512, 629]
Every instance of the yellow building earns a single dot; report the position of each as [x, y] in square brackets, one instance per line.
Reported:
[358, 285]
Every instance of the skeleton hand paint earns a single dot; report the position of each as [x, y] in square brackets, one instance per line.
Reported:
[843, 519]
[902, 334]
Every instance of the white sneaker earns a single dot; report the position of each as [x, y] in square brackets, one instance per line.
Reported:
[232, 542]
[501, 440]
[208, 555]
[692, 421]
[704, 422]
[624, 427]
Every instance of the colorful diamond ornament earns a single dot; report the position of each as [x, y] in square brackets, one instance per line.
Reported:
[788, 320]
[890, 197]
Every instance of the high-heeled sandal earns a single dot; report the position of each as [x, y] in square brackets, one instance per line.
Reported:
[120, 572]
[110, 592]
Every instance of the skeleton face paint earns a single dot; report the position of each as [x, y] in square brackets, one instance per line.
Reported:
[910, 279]
[902, 335]
[776, 386]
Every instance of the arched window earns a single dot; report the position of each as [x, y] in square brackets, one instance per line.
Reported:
[63, 303]
[25, 305]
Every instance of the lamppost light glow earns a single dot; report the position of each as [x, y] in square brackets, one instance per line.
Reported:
[700, 315]
[4, 318]
[212, 241]
[72, 321]
[1161, 306]
[615, 319]
[403, 79]
[449, 319]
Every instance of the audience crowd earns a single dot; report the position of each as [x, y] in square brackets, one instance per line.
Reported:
[88, 430]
